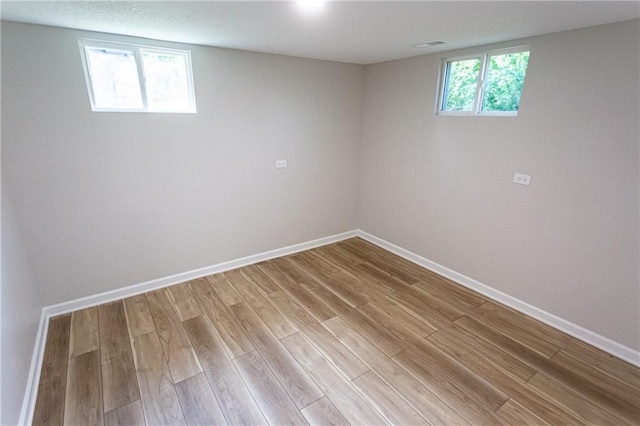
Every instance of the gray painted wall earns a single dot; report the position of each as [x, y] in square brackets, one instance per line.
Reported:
[20, 306]
[108, 200]
[440, 186]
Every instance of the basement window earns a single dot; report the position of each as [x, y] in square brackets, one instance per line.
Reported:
[131, 78]
[489, 83]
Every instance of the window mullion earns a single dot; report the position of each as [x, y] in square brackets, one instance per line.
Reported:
[482, 77]
[141, 78]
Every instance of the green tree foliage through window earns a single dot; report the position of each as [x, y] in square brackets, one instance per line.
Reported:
[462, 80]
[489, 83]
[505, 78]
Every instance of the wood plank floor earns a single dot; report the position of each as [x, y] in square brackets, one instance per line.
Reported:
[343, 334]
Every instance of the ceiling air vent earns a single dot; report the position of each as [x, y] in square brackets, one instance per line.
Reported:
[425, 44]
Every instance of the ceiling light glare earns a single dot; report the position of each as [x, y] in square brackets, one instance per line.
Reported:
[311, 4]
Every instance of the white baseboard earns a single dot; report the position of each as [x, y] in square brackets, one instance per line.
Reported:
[614, 348]
[31, 392]
[121, 293]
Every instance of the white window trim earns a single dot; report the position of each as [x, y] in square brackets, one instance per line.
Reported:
[484, 58]
[136, 49]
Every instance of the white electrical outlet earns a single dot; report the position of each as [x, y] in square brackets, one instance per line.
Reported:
[521, 179]
[281, 164]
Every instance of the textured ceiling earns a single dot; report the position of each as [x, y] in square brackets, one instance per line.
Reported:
[356, 32]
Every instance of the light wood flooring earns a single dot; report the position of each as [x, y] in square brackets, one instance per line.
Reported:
[343, 334]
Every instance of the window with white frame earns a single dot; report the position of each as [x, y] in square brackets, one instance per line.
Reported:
[489, 83]
[132, 78]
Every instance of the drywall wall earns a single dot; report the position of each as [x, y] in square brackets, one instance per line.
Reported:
[440, 186]
[20, 310]
[107, 200]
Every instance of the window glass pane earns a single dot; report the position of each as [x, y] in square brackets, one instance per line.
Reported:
[505, 78]
[166, 81]
[460, 85]
[114, 78]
